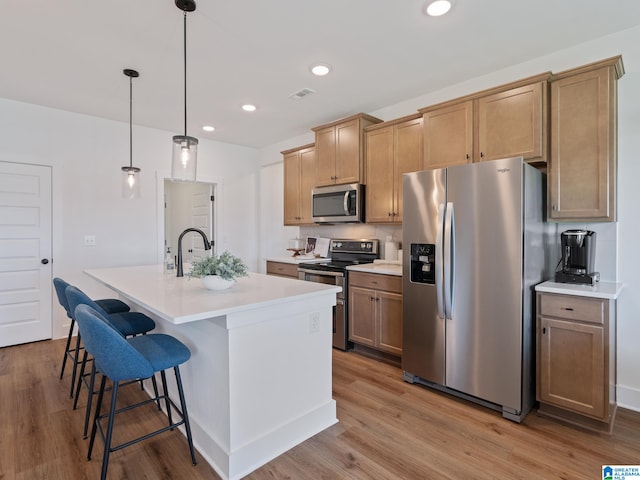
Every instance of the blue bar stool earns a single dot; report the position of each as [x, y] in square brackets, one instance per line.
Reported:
[109, 305]
[126, 323]
[120, 360]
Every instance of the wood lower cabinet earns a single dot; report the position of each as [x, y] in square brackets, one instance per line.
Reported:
[340, 152]
[576, 359]
[583, 167]
[392, 148]
[299, 178]
[375, 311]
[504, 122]
[282, 269]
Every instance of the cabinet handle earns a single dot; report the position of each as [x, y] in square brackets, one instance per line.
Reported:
[467, 155]
[389, 214]
[553, 207]
[544, 330]
[569, 309]
[371, 298]
[481, 154]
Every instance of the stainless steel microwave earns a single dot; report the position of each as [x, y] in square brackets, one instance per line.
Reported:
[338, 203]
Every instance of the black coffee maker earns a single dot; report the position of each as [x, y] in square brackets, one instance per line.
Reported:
[578, 257]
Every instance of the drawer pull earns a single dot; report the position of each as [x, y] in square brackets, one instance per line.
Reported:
[569, 309]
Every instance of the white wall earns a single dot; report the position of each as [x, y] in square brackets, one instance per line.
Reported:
[86, 154]
[616, 257]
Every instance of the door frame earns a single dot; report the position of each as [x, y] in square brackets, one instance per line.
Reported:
[216, 221]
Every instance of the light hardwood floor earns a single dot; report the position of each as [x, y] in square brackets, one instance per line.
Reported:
[388, 429]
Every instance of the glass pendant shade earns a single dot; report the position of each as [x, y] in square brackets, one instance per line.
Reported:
[184, 159]
[130, 182]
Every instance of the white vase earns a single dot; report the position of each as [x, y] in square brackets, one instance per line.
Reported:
[215, 282]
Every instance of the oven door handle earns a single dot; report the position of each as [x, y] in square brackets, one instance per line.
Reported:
[321, 273]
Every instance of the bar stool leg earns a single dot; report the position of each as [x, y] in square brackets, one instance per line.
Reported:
[166, 396]
[185, 415]
[96, 415]
[75, 365]
[79, 383]
[107, 440]
[66, 348]
[87, 414]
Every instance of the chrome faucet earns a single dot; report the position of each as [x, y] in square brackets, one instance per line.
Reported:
[207, 246]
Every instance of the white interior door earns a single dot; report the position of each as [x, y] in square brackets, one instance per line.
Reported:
[25, 253]
[201, 208]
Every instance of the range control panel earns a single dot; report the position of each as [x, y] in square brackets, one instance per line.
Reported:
[354, 246]
[423, 263]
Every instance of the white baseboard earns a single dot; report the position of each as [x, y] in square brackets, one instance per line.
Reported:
[628, 398]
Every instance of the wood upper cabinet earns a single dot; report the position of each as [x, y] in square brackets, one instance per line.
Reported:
[448, 135]
[513, 123]
[503, 122]
[340, 152]
[392, 148]
[299, 179]
[583, 167]
[576, 359]
[375, 311]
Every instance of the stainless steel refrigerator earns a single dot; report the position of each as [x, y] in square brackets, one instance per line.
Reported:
[473, 248]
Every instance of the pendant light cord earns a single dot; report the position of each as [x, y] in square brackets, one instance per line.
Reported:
[130, 122]
[185, 73]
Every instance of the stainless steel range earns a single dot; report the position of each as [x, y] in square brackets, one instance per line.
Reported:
[343, 252]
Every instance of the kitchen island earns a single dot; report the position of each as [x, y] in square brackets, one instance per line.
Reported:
[259, 378]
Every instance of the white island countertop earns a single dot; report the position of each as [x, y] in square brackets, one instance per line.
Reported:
[185, 299]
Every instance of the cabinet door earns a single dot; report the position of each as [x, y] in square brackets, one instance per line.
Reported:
[325, 156]
[361, 316]
[291, 188]
[348, 158]
[389, 322]
[379, 164]
[307, 182]
[448, 135]
[408, 157]
[572, 366]
[510, 124]
[583, 165]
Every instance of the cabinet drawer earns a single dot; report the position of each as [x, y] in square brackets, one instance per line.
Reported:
[584, 309]
[282, 269]
[389, 283]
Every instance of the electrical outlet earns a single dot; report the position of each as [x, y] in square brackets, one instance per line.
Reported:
[314, 322]
[90, 240]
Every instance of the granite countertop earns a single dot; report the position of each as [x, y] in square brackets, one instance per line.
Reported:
[609, 290]
[379, 266]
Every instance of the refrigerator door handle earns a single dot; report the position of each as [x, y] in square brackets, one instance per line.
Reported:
[439, 261]
[449, 259]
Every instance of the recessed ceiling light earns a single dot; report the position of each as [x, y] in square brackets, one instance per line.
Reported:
[437, 8]
[208, 128]
[320, 69]
[249, 108]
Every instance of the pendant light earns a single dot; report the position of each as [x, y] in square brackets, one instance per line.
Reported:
[185, 148]
[130, 174]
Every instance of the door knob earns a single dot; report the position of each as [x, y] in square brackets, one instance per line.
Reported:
[44, 261]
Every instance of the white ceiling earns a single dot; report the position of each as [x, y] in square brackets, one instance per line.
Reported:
[69, 54]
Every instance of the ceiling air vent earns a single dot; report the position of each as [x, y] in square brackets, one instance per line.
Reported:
[301, 93]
